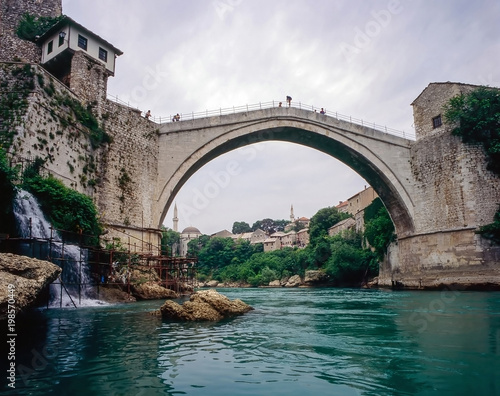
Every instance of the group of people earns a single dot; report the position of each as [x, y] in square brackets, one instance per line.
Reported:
[176, 117]
[289, 101]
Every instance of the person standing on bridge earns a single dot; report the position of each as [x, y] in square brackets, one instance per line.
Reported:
[289, 100]
[148, 114]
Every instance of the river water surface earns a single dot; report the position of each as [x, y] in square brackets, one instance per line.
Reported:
[295, 342]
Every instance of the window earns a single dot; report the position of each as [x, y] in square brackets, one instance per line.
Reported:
[61, 39]
[50, 45]
[82, 42]
[103, 54]
[436, 121]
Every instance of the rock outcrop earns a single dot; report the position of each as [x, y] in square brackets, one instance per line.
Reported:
[315, 277]
[205, 305]
[152, 291]
[294, 281]
[22, 280]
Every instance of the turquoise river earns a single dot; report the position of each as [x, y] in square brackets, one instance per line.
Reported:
[296, 342]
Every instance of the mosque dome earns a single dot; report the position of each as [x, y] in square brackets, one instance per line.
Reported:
[191, 230]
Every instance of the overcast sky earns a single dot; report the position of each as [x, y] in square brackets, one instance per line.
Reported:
[366, 59]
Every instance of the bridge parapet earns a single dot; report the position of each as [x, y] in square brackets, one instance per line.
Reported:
[265, 110]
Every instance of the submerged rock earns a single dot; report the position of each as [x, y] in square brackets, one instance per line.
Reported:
[205, 305]
[22, 280]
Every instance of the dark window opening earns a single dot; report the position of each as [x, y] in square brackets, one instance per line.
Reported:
[103, 54]
[82, 42]
[61, 40]
[49, 47]
[436, 121]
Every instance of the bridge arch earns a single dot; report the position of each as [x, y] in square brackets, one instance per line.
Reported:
[381, 159]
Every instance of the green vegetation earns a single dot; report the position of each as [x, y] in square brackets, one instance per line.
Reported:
[342, 257]
[379, 229]
[321, 221]
[476, 117]
[66, 209]
[7, 179]
[14, 102]
[31, 26]
[168, 240]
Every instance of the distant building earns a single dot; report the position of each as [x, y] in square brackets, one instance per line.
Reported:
[303, 238]
[257, 236]
[222, 234]
[188, 234]
[342, 225]
[303, 221]
[271, 244]
[343, 206]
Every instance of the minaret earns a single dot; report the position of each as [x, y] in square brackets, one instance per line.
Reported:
[175, 219]
[292, 217]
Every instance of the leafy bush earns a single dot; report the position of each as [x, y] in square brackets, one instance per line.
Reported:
[7, 178]
[379, 229]
[476, 117]
[31, 26]
[66, 209]
[349, 263]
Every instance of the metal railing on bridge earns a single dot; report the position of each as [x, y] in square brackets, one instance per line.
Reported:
[268, 105]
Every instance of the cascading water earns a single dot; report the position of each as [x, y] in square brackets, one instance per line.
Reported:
[43, 242]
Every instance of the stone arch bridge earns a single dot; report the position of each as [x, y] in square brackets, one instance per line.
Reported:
[437, 190]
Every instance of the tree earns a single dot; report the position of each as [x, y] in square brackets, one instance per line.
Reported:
[379, 228]
[322, 221]
[349, 264]
[169, 238]
[239, 227]
[270, 226]
[476, 116]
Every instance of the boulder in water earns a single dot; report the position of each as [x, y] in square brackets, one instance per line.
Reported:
[22, 280]
[205, 305]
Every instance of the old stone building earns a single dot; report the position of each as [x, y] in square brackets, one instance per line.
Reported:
[112, 159]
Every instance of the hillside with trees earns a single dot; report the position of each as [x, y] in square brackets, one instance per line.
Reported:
[348, 258]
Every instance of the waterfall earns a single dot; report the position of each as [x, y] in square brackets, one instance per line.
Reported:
[42, 242]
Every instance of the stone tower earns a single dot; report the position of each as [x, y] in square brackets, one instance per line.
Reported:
[11, 11]
[292, 216]
[176, 219]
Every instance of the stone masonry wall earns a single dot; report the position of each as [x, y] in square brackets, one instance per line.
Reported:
[89, 79]
[120, 176]
[129, 180]
[45, 126]
[11, 11]
[454, 188]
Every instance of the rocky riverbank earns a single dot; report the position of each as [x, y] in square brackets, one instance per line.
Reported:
[312, 278]
[22, 281]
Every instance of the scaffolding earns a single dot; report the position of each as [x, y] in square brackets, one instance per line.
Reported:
[96, 267]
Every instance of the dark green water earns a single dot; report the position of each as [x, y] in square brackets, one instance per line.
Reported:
[296, 342]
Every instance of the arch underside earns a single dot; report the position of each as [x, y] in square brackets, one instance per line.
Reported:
[356, 159]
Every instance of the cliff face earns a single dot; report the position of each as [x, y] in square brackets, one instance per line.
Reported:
[22, 280]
